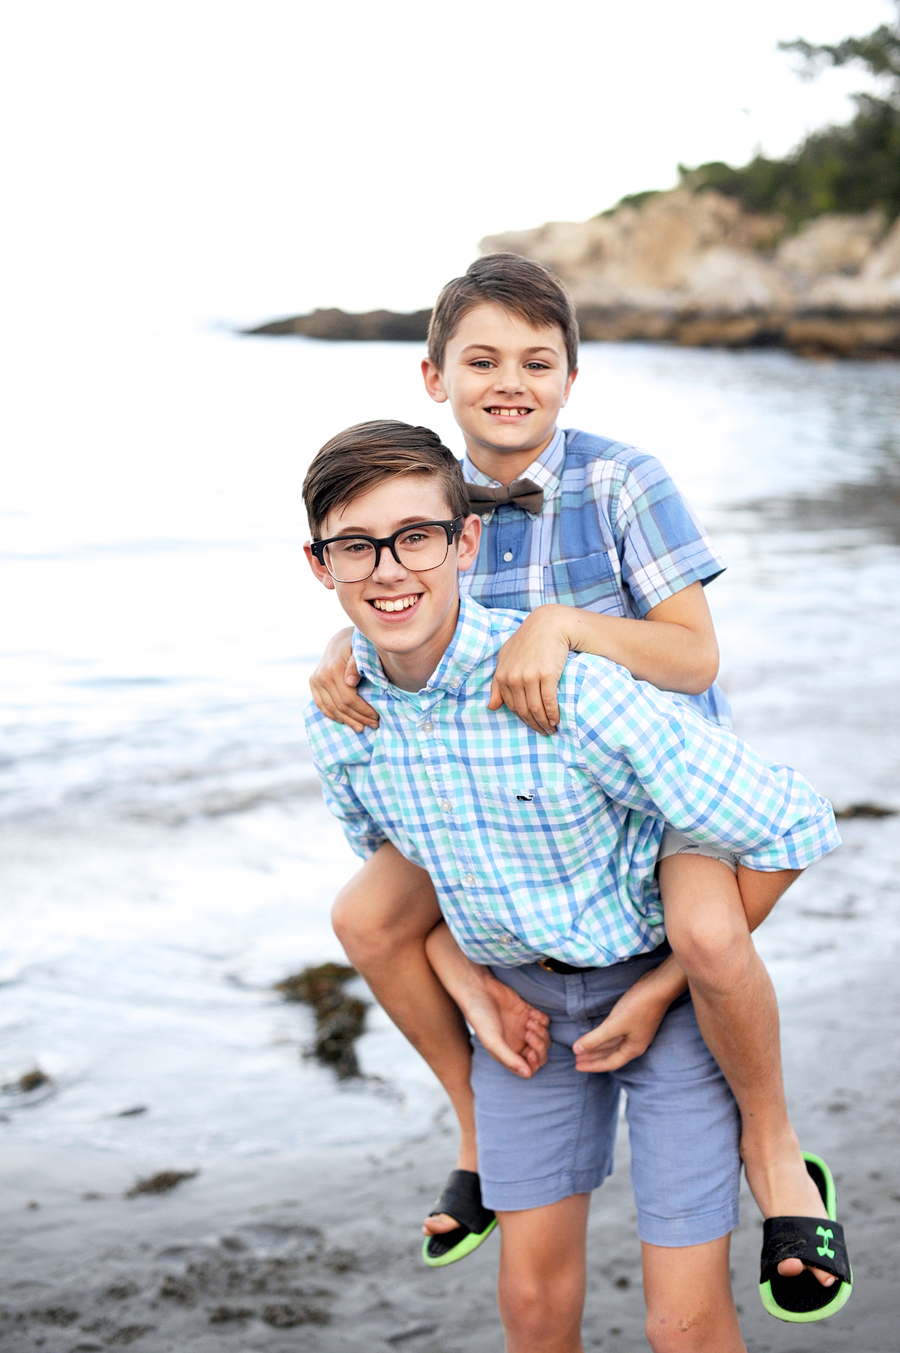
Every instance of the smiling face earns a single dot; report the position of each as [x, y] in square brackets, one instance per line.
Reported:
[410, 617]
[506, 382]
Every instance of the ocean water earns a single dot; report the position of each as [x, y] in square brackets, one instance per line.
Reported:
[164, 853]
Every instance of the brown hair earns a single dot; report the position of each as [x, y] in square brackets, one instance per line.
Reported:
[518, 284]
[365, 455]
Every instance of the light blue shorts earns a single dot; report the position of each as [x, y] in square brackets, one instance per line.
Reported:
[547, 1138]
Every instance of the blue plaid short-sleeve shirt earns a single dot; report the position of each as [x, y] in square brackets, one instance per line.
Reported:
[614, 536]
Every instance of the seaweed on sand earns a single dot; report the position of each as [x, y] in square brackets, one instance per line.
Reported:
[340, 1019]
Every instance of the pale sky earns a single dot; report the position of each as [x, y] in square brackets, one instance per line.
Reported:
[215, 160]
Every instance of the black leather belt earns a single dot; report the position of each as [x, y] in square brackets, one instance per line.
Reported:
[556, 965]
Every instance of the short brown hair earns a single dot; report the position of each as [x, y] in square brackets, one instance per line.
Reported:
[365, 455]
[518, 284]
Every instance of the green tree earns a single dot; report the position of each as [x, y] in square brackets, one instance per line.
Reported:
[848, 168]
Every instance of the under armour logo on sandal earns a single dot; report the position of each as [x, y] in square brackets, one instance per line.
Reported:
[825, 1249]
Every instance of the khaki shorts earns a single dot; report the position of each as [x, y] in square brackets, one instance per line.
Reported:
[673, 843]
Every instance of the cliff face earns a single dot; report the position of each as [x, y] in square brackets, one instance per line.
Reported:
[696, 268]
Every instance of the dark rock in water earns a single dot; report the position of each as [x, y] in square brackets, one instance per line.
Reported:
[343, 326]
[340, 1019]
[161, 1183]
[316, 985]
[32, 1080]
[29, 1089]
[221, 1315]
[414, 1332]
[285, 1315]
[866, 810]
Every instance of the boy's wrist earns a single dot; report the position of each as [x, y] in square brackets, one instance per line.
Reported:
[565, 622]
[665, 983]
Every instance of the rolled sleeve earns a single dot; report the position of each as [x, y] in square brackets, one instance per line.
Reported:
[802, 844]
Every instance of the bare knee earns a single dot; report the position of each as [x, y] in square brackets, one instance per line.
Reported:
[389, 904]
[682, 1330]
[367, 936]
[713, 947]
[541, 1315]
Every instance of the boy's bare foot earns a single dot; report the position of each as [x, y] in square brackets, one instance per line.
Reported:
[783, 1187]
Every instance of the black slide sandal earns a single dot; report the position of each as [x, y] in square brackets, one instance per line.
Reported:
[803, 1299]
[461, 1199]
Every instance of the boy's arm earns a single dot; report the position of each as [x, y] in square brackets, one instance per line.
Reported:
[676, 651]
[631, 1025]
[333, 685]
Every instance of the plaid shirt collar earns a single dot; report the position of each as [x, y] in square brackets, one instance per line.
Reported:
[473, 641]
[546, 471]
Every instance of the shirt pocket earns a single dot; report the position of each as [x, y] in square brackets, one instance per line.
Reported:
[540, 833]
[591, 582]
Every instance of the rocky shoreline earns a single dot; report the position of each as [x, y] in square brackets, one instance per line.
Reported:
[695, 269]
[812, 333]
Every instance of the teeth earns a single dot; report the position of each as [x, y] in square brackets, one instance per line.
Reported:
[401, 604]
[511, 413]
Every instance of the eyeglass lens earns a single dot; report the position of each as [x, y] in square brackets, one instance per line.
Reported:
[353, 558]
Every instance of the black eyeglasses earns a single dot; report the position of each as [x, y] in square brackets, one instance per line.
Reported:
[420, 547]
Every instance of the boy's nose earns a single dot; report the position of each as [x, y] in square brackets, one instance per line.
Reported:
[387, 569]
[508, 377]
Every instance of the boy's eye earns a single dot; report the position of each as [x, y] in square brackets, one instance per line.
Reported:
[537, 366]
[350, 547]
[481, 364]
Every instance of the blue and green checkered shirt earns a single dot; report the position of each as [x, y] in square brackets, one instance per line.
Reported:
[614, 536]
[547, 846]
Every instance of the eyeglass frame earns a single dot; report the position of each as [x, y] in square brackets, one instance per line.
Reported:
[452, 528]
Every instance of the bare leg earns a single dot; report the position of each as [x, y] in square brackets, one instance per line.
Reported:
[542, 1276]
[382, 917]
[690, 1306]
[737, 1012]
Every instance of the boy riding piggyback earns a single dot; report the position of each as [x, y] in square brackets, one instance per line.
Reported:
[592, 538]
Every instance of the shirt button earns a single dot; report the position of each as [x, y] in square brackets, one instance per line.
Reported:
[427, 726]
[506, 939]
[507, 558]
[468, 880]
[455, 684]
[445, 805]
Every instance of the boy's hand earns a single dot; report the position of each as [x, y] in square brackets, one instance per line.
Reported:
[529, 666]
[628, 1029]
[332, 685]
[512, 1031]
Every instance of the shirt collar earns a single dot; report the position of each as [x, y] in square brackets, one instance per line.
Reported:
[546, 471]
[472, 642]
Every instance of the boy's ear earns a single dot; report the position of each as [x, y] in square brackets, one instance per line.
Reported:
[321, 573]
[433, 383]
[568, 386]
[469, 540]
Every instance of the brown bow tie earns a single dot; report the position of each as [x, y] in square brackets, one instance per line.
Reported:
[521, 493]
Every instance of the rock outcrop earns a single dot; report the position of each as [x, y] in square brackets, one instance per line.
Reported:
[341, 326]
[695, 268]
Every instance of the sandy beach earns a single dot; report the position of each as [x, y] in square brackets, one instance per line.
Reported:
[320, 1251]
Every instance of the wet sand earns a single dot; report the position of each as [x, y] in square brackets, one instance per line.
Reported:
[321, 1253]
